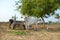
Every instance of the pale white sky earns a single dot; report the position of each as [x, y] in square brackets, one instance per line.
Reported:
[7, 10]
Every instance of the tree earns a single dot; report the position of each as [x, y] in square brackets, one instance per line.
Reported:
[50, 22]
[14, 17]
[57, 16]
[38, 8]
[14, 21]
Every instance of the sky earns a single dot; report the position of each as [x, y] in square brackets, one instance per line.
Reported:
[7, 10]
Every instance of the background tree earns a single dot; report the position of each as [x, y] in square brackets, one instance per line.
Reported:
[38, 8]
[57, 16]
[14, 17]
[50, 22]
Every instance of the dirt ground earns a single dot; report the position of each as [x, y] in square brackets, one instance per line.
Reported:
[41, 34]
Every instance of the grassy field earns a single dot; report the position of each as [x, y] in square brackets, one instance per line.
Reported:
[53, 33]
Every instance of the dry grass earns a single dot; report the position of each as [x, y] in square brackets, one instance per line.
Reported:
[39, 35]
[51, 34]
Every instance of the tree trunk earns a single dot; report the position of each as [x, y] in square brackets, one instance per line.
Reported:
[43, 22]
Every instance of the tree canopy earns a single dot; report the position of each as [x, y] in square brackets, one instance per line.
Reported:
[38, 8]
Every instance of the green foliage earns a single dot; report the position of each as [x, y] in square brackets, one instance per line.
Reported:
[20, 32]
[38, 8]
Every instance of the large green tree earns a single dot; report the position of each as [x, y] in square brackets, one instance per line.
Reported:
[38, 8]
